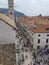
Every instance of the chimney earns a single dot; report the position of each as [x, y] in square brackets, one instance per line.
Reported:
[11, 8]
[35, 25]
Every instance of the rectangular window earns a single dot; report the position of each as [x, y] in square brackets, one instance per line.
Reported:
[39, 35]
[46, 40]
[11, 13]
[38, 47]
[46, 46]
[38, 41]
[47, 34]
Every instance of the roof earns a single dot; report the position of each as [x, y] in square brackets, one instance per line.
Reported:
[40, 29]
[31, 20]
[7, 20]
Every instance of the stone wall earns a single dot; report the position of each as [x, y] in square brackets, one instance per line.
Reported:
[7, 54]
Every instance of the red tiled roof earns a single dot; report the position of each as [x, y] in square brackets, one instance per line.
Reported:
[40, 29]
[31, 20]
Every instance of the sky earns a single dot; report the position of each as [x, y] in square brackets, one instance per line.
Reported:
[29, 7]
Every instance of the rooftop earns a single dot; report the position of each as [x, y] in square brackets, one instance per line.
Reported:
[40, 29]
[31, 20]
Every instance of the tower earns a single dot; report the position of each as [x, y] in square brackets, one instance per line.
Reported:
[11, 8]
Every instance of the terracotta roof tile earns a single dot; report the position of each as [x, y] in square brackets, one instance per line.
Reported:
[31, 20]
[40, 29]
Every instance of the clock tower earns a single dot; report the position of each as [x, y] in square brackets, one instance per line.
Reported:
[11, 8]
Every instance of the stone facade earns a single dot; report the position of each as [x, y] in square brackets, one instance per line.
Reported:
[7, 54]
[42, 37]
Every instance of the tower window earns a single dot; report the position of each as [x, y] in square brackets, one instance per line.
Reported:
[46, 40]
[11, 13]
[38, 41]
[10, 0]
[10, 6]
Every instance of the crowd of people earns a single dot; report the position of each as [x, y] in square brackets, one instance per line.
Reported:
[41, 57]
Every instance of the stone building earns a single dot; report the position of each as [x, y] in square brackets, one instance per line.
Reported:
[7, 40]
[40, 36]
[17, 43]
[7, 37]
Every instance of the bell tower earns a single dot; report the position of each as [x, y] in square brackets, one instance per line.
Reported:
[11, 8]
